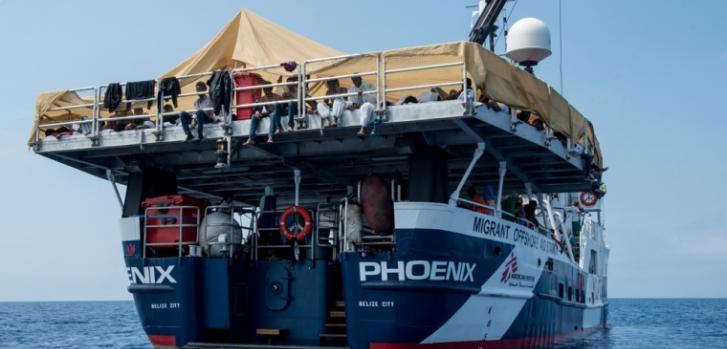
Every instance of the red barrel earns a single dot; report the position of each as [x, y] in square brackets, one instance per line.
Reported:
[245, 79]
[165, 216]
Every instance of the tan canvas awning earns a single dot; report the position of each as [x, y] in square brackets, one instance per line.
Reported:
[249, 40]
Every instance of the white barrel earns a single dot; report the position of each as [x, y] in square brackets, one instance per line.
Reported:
[218, 231]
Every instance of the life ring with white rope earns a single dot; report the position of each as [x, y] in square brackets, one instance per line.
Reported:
[588, 198]
[307, 223]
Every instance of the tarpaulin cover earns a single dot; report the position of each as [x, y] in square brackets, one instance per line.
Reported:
[249, 40]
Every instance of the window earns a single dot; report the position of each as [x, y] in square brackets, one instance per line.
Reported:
[560, 290]
[570, 293]
[592, 266]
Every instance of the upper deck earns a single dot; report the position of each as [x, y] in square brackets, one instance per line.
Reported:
[535, 149]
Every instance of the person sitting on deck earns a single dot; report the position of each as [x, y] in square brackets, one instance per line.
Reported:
[363, 101]
[170, 118]
[291, 92]
[490, 104]
[474, 197]
[434, 94]
[329, 109]
[200, 115]
[408, 100]
[529, 210]
[261, 111]
[470, 93]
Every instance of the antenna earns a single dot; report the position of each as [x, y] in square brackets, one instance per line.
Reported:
[560, 43]
[528, 42]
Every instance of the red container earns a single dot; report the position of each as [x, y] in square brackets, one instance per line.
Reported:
[246, 79]
[165, 215]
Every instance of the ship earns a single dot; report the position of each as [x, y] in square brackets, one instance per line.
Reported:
[448, 199]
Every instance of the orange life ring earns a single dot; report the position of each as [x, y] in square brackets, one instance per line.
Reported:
[307, 227]
[588, 198]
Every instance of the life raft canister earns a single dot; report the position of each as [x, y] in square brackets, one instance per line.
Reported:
[588, 198]
[303, 213]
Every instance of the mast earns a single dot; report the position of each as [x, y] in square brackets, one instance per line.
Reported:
[485, 24]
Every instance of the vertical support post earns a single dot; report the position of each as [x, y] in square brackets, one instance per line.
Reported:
[160, 112]
[229, 152]
[300, 97]
[96, 113]
[296, 179]
[302, 91]
[378, 81]
[383, 83]
[500, 184]
[455, 194]
[467, 104]
[112, 179]
[94, 110]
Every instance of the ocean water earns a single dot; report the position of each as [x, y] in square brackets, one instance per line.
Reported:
[633, 323]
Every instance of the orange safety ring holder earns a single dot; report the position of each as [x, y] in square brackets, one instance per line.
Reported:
[307, 227]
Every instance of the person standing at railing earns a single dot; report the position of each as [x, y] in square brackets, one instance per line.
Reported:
[258, 112]
[477, 199]
[201, 116]
[290, 108]
[330, 110]
[529, 210]
[363, 101]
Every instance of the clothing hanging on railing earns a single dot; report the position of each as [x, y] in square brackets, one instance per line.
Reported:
[137, 90]
[112, 97]
[168, 87]
[220, 91]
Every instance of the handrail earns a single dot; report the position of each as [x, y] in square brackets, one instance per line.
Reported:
[417, 87]
[340, 95]
[380, 91]
[423, 67]
[342, 76]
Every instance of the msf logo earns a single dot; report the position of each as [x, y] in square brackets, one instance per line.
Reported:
[510, 268]
[150, 275]
[417, 270]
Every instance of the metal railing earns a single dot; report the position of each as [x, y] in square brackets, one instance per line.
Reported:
[276, 233]
[302, 81]
[179, 223]
[236, 223]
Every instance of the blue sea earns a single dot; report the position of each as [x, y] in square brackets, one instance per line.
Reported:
[633, 323]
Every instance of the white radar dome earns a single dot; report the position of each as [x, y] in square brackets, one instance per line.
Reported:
[528, 41]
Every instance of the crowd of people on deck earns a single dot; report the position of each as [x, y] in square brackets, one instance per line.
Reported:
[211, 106]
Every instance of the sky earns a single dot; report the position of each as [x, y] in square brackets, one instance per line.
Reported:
[649, 75]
